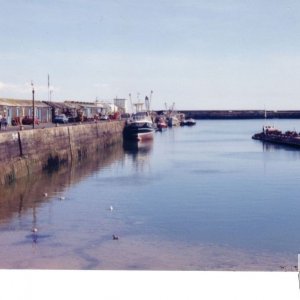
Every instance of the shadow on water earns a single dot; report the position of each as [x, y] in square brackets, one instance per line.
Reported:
[28, 193]
[139, 152]
[268, 147]
[137, 148]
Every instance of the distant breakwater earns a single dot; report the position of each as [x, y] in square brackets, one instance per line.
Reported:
[241, 114]
[26, 152]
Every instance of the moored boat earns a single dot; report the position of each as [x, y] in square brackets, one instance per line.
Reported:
[161, 123]
[173, 121]
[273, 135]
[188, 122]
[139, 128]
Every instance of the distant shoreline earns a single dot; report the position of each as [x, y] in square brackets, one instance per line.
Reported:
[241, 114]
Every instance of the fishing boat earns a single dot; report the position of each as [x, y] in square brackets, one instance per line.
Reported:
[173, 121]
[161, 123]
[188, 122]
[273, 135]
[140, 127]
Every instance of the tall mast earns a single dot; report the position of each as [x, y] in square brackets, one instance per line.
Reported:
[131, 103]
[151, 93]
[265, 114]
[49, 97]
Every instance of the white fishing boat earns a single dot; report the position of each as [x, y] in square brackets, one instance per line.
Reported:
[188, 122]
[140, 127]
[173, 121]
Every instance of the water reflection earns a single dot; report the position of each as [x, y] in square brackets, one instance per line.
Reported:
[30, 192]
[270, 147]
[139, 152]
[138, 148]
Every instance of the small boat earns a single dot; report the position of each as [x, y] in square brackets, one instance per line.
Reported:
[267, 131]
[273, 135]
[188, 122]
[139, 128]
[161, 123]
[173, 121]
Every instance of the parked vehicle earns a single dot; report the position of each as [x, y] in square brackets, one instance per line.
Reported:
[104, 118]
[62, 119]
[72, 119]
[29, 121]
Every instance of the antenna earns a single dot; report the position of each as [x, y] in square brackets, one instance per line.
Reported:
[265, 113]
[151, 93]
[33, 113]
[131, 102]
[49, 96]
[147, 103]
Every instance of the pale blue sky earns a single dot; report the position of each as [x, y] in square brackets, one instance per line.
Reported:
[199, 54]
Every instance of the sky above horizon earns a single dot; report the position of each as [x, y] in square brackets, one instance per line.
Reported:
[216, 54]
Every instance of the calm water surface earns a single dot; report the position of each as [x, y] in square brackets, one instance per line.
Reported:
[201, 198]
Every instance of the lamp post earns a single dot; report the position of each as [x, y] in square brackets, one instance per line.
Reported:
[33, 114]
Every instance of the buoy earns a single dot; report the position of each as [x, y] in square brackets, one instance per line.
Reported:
[115, 237]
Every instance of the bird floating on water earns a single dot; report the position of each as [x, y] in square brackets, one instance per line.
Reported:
[45, 194]
[62, 198]
[34, 230]
[111, 208]
[115, 237]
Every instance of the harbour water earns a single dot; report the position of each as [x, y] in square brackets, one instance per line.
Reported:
[206, 197]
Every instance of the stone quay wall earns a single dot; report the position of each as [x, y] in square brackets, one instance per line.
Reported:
[25, 152]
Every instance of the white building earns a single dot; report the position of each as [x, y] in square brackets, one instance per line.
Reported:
[121, 103]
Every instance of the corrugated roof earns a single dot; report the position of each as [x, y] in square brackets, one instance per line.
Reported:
[59, 105]
[83, 104]
[21, 103]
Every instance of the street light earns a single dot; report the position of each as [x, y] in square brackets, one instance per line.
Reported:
[33, 115]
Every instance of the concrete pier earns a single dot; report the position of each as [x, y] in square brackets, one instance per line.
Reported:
[25, 152]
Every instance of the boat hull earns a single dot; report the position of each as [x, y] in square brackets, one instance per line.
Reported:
[277, 139]
[189, 122]
[162, 125]
[134, 133]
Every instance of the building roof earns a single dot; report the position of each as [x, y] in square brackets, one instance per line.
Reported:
[83, 104]
[21, 103]
[59, 105]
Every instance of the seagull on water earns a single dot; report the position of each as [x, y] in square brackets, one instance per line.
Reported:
[111, 208]
[115, 237]
[45, 194]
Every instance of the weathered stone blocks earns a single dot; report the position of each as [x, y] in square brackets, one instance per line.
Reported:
[25, 152]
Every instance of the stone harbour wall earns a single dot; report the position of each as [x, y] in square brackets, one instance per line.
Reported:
[25, 152]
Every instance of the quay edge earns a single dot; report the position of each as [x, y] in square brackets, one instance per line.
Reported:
[25, 152]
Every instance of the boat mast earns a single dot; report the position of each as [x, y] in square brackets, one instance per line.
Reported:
[48, 87]
[151, 93]
[131, 103]
[147, 104]
[265, 114]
